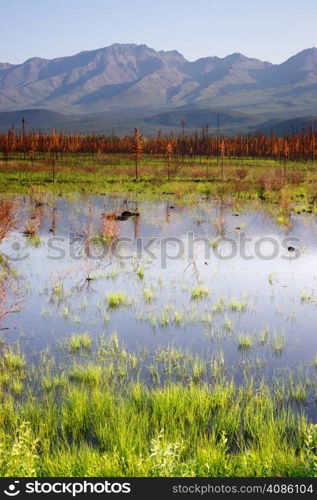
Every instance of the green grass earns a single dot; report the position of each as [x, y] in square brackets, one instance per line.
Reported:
[228, 324]
[140, 273]
[199, 292]
[264, 335]
[306, 297]
[12, 361]
[101, 420]
[117, 299]
[279, 343]
[86, 173]
[238, 305]
[35, 240]
[79, 342]
[148, 295]
[299, 391]
[58, 291]
[245, 342]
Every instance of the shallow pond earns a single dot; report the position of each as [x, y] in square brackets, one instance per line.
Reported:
[204, 277]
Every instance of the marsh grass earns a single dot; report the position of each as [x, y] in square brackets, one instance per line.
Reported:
[117, 299]
[140, 273]
[279, 342]
[238, 305]
[12, 361]
[58, 290]
[78, 342]
[228, 324]
[245, 342]
[34, 240]
[148, 295]
[87, 422]
[231, 305]
[199, 292]
[308, 298]
[299, 391]
[264, 335]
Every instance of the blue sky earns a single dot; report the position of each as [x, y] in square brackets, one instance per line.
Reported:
[270, 30]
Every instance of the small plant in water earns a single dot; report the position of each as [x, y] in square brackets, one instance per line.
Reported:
[272, 278]
[238, 305]
[35, 240]
[306, 297]
[140, 273]
[279, 343]
[215, 242]
[228, 324]
[77, 342]
[58, 290]
[264, 335]
[245, 342]
[199, 292]
[148, 295]
[117, 299]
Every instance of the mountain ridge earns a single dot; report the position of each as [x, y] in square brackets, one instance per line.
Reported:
[136, 77]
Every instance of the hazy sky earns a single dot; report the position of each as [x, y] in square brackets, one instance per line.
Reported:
[267, 29]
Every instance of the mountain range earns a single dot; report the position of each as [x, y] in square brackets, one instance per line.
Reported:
[115, 85]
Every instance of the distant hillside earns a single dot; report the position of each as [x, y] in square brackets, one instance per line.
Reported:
[125, 77]
[35, 119]
[43, 120]
[106, 123]
[291, 126]
[197, 119]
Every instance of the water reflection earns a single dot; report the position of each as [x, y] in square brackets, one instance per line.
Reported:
[269, 301]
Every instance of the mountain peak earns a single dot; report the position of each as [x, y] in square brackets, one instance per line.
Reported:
[302, 55]
[131, 76]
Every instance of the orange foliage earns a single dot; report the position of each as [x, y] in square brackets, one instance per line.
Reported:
[7, 217]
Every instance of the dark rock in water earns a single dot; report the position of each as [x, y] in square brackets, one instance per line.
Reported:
[235, 215]
[126, 214]
[291, 249]
[172, 206]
